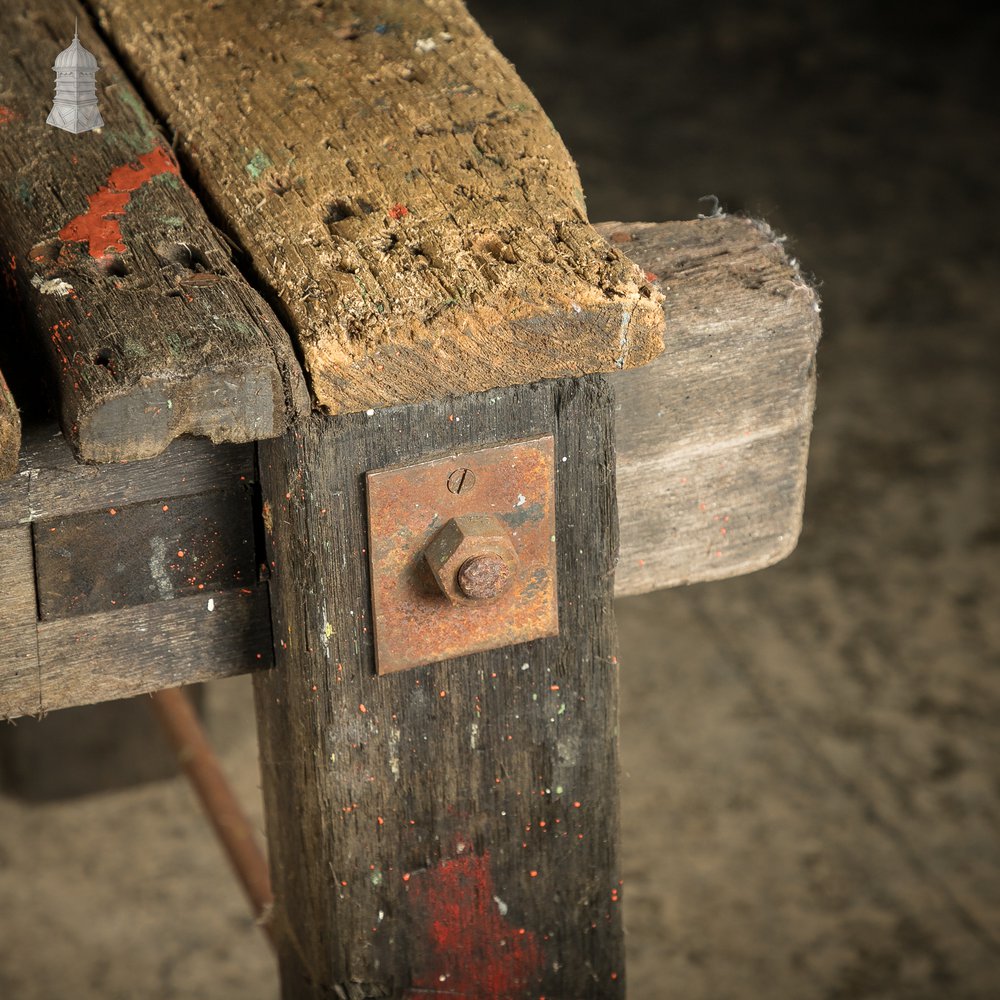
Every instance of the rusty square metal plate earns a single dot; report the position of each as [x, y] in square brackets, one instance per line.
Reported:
[408, 507]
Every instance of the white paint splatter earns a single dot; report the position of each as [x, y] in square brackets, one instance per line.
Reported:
[425, 45]
[211, 604]
[520, 499]
[369, 413]
[623, 338]
[474, 736]
[501, 906]
[157, 568]
[51, 286]
[394, 752]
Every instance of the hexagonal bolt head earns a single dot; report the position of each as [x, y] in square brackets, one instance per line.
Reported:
[472, 558]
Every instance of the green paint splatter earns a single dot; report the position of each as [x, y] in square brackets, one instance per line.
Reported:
[259, 162]
[136, 129]
[174, 221]
[376, 877]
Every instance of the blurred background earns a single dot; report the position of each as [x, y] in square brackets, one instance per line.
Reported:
[811, 797]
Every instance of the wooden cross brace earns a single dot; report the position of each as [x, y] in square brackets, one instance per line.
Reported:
[409, 228]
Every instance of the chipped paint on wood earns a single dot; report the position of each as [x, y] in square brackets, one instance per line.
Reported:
[99, 226]
[473, 947]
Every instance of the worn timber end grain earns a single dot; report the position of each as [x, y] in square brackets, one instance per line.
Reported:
[713, 437]
[399, 190]
[10, 431]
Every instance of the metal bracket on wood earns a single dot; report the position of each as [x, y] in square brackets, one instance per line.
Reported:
[463, 553]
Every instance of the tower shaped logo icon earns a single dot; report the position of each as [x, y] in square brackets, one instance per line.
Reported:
[75, 107]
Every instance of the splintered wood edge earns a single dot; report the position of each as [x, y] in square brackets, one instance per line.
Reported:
[10, 431]
[420, 221]
[144, 344]
[713, 437]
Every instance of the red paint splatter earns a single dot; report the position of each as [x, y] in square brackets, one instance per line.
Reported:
[7, 115]
[98, 227]
[398, 212]
[472, 950]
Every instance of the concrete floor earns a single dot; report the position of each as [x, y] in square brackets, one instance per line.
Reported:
[812, 760]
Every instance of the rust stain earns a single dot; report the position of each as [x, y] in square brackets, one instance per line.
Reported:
[415, 622]
[99, 227]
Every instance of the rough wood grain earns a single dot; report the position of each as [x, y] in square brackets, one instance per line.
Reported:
[10, 429]
[91, 658]
[50, 484]
[19, 659]
[399, 190]
[149, 329]
[450, 829]
[101, 638]
[713, 436]
[154, 551]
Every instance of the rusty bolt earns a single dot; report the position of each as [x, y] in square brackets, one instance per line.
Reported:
[472, 558]
[483, 577]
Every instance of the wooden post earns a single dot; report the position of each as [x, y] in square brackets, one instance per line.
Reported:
[450, 829]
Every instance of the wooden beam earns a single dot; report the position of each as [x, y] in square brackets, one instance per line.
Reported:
[713, 436]
[50, 484]
[99, 601]
[149, 329]
[450, 829]
[397, 187]
[743, 327]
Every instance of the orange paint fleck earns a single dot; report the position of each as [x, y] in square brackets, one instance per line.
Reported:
[7, 115]
[99, 227]
[362, 709]
[398, 212]
[112, 511]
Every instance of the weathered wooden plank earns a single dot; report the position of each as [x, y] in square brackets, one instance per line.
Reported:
[19, 678]
[90, 658]
[155, 551]
[397, 187]
[713, 436]
[450, 829]
[149, 329]
[10, 431]
[50, 484]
